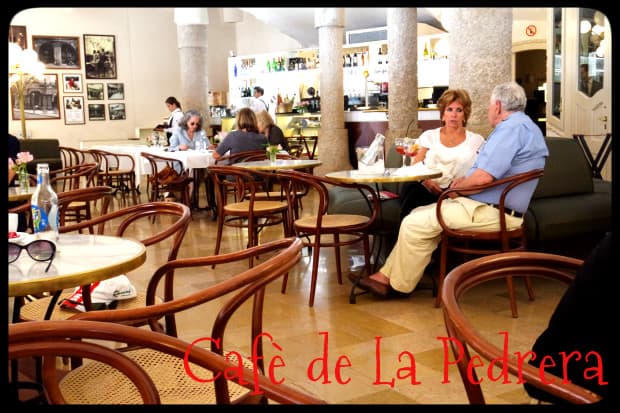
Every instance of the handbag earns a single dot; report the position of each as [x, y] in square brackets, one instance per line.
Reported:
[166, 176]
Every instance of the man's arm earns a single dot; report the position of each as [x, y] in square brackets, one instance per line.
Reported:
[478, 177]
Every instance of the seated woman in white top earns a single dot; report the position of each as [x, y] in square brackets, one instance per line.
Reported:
[189, 134]
[450, 148]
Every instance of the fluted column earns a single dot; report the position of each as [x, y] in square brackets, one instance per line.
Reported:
[402, 24]
[480, 55]
[332, 144]
[192, 44]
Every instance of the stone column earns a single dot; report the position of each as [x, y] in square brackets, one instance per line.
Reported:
[192, 44]
[480, 43]
[402, 24]
[333, 147]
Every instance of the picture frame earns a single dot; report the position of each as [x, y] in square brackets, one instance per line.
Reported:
[116, 111]
[116, 91]
[17, 34]
[58, 52]
[94, 91]
[96, 111]
[100, 56]
[72, 83]
[74, 110]
[41, 100]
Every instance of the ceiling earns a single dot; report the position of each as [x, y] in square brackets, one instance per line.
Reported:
[298, 22]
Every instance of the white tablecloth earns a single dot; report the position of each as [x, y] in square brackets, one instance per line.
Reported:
[191, 159]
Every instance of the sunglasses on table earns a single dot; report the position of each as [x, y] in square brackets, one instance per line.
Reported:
[39, 250]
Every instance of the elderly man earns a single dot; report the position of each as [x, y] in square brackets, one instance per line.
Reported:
[516, 145]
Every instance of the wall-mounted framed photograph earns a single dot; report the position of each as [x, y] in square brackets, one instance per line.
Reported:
[94, 91]
[100, 56]
[116, 91]
[17, 34]
[58, 52]
[116, 111]
[71, 83]
[41, 100]
[74, 110]
[96, 111]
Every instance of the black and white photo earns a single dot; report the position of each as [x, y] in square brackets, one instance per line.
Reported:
[116, 111]
[100, 56]
[96, 111]
[94, 91]
[41, 100]
[58, 52]
[74, 110]
[116, 91]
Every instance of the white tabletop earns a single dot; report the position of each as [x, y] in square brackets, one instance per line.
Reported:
[80, 259]
[191, 159]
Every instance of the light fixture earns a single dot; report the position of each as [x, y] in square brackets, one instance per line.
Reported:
[600, 50]
[585, 26]
[598, 29]
[24, 68]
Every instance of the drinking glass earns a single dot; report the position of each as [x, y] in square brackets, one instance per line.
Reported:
[411, 149]
[399, 144]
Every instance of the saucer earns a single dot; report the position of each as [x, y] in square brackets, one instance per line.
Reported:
[20, 237]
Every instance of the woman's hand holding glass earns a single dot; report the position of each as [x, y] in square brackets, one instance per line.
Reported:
[399, 144]
[411, 149]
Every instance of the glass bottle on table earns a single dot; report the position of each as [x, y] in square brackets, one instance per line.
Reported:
[44, 206]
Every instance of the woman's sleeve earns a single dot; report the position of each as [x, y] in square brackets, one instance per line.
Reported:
[277, 137]
[174, 141]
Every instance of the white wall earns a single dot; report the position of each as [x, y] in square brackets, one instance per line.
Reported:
[147, 62]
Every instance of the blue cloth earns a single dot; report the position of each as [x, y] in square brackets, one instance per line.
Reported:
[516, 145]
[180, 137]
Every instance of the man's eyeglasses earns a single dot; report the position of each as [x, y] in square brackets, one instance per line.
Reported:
[39, 250]
[193, 123]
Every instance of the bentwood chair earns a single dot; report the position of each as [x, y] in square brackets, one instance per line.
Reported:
[97, 340]
[118, 171]
[158, 184]
[471, 242]
[234, 304]
[470, 339]
[133, 221]
[250, 212]
[327, 230]
[71, 156]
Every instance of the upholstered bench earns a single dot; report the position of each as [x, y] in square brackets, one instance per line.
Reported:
[43, 151]
[568, 206]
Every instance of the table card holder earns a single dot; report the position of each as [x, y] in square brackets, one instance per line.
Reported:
[373, 159]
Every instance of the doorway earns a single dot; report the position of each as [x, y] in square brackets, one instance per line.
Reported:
[531, 73]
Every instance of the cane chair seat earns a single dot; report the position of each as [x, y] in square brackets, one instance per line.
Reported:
[327, 230]
[174, 384]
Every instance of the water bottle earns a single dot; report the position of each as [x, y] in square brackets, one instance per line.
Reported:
[44, 206]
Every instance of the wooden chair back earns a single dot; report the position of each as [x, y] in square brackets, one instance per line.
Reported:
[485, 242]
[157, 184]
[498, 266]
[323, 229]
[280, 257]
[97, 340]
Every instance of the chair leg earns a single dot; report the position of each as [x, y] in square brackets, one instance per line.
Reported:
[528, 286]
[315, 270]
[512, 297]
[338, 263]
[218, 238]
[443, 264]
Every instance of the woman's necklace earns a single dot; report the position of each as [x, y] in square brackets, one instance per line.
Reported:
[453, 139]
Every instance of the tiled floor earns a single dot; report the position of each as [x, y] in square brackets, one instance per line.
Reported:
[381, 339]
